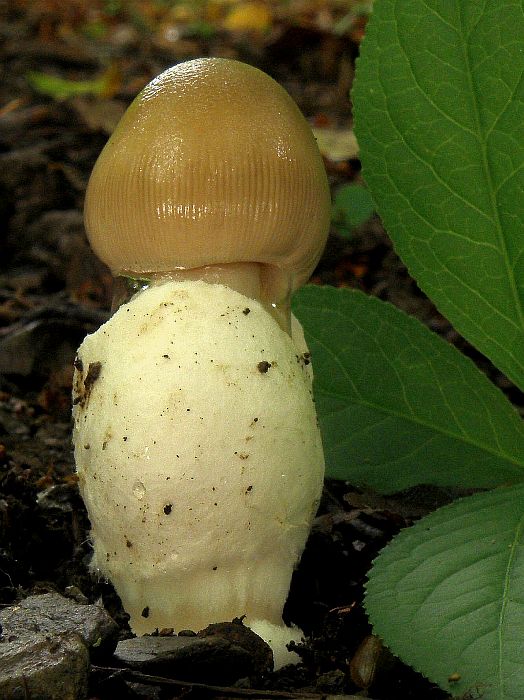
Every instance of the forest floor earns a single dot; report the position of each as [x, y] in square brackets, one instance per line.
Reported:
[53, 292]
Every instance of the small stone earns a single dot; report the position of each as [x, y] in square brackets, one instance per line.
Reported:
[46, 646]
[237, 633]
[220, 654]
[34, 666]
[53, 613]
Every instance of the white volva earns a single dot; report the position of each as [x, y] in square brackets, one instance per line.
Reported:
[198, 456]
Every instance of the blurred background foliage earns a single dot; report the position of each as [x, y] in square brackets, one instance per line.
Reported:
[169, 20]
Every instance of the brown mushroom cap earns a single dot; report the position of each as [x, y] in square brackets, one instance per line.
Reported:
[213, 163]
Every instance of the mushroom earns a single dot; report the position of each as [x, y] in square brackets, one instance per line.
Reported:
[197, 447]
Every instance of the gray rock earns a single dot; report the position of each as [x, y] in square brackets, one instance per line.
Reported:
[219, 654]
[52, 613]
[45, 645]
[41, 668]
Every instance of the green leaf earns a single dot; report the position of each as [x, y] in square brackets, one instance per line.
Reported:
[397, 404]
[62, 89]
[352, 205]
[448, 595]
[439, 105]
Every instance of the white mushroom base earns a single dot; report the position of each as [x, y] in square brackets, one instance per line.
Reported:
[198, 456]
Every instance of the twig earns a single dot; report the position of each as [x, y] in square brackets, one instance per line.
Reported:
[229, 691]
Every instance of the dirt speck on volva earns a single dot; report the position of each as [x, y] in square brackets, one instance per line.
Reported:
[84, 384]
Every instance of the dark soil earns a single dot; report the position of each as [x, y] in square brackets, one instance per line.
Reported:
[53, 292]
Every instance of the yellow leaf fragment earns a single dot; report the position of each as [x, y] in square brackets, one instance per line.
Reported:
[336, 144]
[249, 17]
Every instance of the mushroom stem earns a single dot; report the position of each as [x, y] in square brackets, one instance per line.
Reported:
[265, 283]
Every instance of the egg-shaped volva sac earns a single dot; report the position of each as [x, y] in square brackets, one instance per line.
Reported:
[198, 455]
